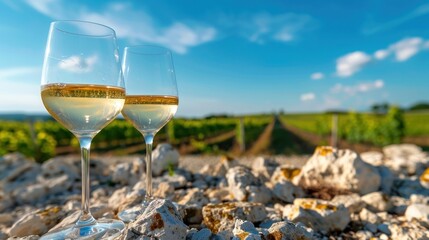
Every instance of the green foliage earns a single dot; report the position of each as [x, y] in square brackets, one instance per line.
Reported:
[420, 106]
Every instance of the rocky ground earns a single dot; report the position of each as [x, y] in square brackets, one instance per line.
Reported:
[334, 194]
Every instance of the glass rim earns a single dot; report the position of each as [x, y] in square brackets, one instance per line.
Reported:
[110, 32]
[147, 49]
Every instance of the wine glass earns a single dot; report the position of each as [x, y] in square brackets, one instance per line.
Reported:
[151, 101]
[83, 89]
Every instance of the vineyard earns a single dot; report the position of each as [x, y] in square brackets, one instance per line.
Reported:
[251, 135]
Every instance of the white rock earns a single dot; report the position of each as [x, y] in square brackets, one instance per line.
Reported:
[406, 159]
[287, 191]
[222, 216]
[244, 186]
[126, 173]
[6, 219]
[245, 230]
[352, 201]
[367, 216]
[361, 234]
[340, 170]
[286, 172]
[408, 231]
[192, 204]
[124, 198]
[418, 211]
[418, 198]
[36, 223]
[160, 220]
[320, 215]
[288, 230]
[163, 157]
[164, 190]
[30, 194]
[373, 158]
[264, 167]
[377, 202]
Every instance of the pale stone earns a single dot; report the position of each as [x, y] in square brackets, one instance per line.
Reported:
[193, 204]
[408, 231]
[287, 230]
[36, 223]
[406, 159]
[373, 158]
[219, 217]
[362, 234]
[368, 216]
[164, 190]
[418, 198]
[352, 201]
[245, 230]
[244, 186]
[320, 215]
[263, 167]
[377, 202]
[30, 194]
[124, 198]
[6, 219]
[342, 170]
[287, 173]
[160, 220]
[287, 191]
[418, 211]
[164, 156]
[126, 173]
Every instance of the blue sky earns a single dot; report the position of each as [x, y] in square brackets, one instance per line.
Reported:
[242, 57]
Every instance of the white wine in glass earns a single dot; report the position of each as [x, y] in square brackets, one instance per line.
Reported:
[151, 100]
[83, 89]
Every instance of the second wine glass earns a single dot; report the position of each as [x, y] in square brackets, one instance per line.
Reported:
[151, 100]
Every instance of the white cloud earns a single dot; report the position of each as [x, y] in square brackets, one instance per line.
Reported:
[317, 76]
[264, 27]
[381, 54]
[406, 48]
[308, 97]
[135, 25]
[403, 49]
[351, 63]
[359, 88]
[78, 64]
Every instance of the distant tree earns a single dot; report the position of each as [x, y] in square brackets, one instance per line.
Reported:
[419, 106]
[380, 108]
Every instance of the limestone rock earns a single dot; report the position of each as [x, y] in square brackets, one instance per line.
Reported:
[287, 191]
[287, 230]
[219, 217]
[374, 158]
[263, 167]
[352, 201]
[342, 170]
[419, 212]
[192, 204]
[244, 186]
[127, 173]
[286, 172]
[5, 201]
[406, 159]
[124, 198]
[377, 202]
[320, 215]
[160, 220]
[30, 194]
[245, 230]
[36, 223]
[418, 198]
[367, 216]
[163, 157]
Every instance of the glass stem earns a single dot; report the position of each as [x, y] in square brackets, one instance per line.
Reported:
[148, 137]
[85, 216]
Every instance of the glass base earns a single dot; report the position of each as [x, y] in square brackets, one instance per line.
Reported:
[102, 229]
